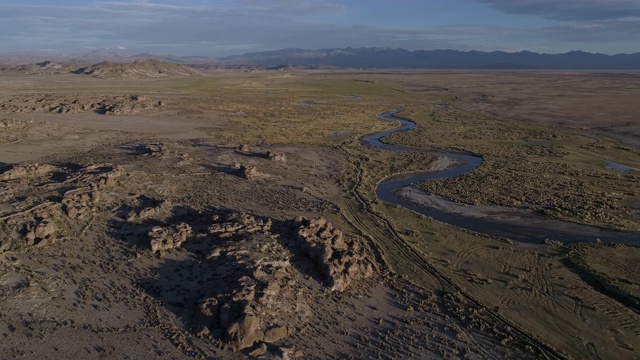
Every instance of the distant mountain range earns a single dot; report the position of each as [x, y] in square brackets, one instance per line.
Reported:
[359, 58]
[117, 55]
[437, 59]
[101, 55]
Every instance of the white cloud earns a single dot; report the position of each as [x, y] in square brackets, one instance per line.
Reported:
[239, 26]
[569, 9]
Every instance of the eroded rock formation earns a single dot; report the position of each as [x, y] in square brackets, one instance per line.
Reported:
[249, 172]
[27, 171]
[276, 156]
[341, 260]
[39, 221]
[169, 237]
[260, 293]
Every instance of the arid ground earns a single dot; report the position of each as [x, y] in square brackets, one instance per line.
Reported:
[233, 214]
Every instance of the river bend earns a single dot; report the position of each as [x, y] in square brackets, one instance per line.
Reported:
[512, 223]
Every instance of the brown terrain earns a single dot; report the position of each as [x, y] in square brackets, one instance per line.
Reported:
[153, 211]
[138, 69]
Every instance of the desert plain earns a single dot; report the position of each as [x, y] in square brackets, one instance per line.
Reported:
[155, 211]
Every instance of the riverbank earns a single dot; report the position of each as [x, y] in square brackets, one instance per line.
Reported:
[520, 224]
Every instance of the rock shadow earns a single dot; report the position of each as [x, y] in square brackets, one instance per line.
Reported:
[181, 285]
[134, 149]
[66, 170]
[225, 169]
[287, 234]
[133, 222]
[5, 167]
[252, 154]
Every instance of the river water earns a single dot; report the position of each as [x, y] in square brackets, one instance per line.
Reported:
[518, 224]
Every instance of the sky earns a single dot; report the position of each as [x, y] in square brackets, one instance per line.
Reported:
[229, 27]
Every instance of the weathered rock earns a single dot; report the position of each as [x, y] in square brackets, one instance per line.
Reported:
[42, 230]
[208, 315]
[157, 150]
[45, 229]
[259, 351]
[249, 172]
[169, 238]
[261, 298]
[79, 203]
[244, 333]
[286, 353]
[27, 171]
[149, 212]
[112, 105]
[82, 201]
[233, 223]
[340, 260]
[259, 282]
[103, 176]
[276, 156]
[244, 148]
[45, 220]
[276, 334]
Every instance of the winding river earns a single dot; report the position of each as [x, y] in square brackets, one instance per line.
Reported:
[512, 223]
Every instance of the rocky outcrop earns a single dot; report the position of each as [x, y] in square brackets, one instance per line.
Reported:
[157, 150]
[39, 230]
[276, 156]
[128, 105]
[80, 203]
[168, 238]
[276, 333]
[260, 294]
[39, 225]
[264, 303]
[256, 304]
[244, 332]
[83, 201]
[340, 260]
[229, 224]
[39, 221]
[27, 171]
[112, 105]
[249, 172]
[145, 213]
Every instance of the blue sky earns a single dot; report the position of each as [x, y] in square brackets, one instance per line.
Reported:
[225, 27]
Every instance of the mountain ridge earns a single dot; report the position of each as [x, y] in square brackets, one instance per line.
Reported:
[358, 58]
[438, 59]
[140, 68]
[98, 56]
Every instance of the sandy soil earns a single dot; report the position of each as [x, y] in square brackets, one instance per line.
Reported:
[153, 232]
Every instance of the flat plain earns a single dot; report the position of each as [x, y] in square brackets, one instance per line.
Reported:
[233, 214]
